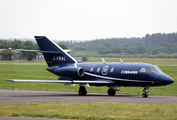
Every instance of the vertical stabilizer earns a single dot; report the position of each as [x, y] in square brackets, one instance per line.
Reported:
[57, 56]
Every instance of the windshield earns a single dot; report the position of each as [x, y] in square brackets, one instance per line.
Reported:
[145, 69]
[155, 69]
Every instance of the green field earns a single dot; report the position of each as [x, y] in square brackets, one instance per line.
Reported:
[90, 111]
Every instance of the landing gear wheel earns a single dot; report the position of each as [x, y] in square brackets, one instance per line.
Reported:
[111, 92]
[82, 91]
[145, 94]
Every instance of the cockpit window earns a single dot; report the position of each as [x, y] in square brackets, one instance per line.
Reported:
[155, 69]
[158, 69]
[148, 69]
[145, 69]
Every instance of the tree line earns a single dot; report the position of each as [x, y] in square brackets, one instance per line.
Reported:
[150, 44]
[153, 44]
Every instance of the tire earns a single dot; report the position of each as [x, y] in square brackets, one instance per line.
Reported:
[111, 92]
[144, 95]
[82, 91]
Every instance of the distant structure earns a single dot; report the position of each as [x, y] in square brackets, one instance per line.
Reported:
[39, 57]
[16, 57]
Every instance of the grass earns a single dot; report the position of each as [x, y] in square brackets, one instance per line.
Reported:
[87, 111]
[155, 61]
[90, 111]
[36, 70]
[113, 55]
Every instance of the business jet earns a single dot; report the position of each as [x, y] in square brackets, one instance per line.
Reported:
[112, 75]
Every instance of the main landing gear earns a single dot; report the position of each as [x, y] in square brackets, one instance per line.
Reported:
[82, 91]
[145, 94]
[111, 92]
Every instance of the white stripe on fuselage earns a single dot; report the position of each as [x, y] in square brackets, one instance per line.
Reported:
[111, 78]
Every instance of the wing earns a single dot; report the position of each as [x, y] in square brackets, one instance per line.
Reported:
[64, 81]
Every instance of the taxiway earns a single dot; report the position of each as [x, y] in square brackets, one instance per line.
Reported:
[24, 96]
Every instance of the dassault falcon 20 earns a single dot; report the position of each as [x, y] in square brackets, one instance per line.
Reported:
[112, 75]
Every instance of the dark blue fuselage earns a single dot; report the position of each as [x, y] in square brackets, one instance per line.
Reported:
[124, 74]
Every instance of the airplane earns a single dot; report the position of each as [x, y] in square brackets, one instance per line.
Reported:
[86, 74]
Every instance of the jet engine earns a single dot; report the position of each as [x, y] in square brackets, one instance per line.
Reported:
[69, 71]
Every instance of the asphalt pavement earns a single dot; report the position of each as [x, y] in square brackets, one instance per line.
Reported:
[25, 96]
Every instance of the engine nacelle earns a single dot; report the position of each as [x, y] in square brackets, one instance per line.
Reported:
[69, 71]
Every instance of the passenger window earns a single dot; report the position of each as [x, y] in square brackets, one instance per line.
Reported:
[91, 69]
[98, 69]
[112, 69]
[148, 69]
[143, 69]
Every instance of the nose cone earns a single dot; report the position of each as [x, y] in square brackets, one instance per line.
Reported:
[164, 79]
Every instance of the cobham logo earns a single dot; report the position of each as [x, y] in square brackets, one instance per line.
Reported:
[105, 70]
[129, 72]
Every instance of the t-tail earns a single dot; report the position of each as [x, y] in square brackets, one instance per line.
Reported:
[54, 55]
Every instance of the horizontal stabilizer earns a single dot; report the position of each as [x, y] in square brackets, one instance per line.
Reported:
[63, 81]
[39, 51]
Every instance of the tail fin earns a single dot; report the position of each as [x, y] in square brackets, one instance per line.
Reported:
[56, 55]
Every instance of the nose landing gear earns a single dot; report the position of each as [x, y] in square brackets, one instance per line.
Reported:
[145, 94]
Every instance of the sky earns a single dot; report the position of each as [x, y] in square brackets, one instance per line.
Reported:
[86, 19]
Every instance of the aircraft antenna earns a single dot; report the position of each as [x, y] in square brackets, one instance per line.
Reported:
[103, 60]
[121, 61]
